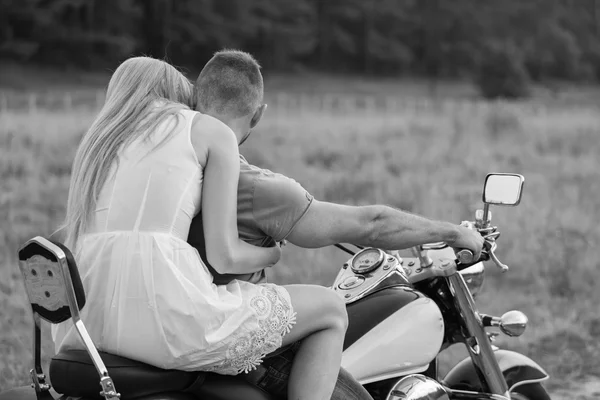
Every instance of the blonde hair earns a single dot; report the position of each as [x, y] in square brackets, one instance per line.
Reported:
[132, 92]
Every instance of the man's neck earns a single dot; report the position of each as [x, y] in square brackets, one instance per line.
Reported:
[235, 124]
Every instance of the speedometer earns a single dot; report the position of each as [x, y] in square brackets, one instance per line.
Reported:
[367, 261]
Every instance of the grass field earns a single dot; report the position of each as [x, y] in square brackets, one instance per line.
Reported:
[432, 163]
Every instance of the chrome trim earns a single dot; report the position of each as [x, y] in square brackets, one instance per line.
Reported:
[372, 267]
[108, 389]
[39, 381]
[394, 275]
[484, 361]
[487, 216]
[522, 182]
[390, 269]
[396, 374]
[474, 276]
[423, 255]
[467, 394]
[434, 246]
[528, 381]
[37, 375]
[511, 323]
[441, 267]
[417, 387]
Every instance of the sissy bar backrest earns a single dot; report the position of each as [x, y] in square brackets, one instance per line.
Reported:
[56, 293]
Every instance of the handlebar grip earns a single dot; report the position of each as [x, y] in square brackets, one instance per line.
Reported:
[465, 256]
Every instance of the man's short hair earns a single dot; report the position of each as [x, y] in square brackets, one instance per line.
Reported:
[230, 84]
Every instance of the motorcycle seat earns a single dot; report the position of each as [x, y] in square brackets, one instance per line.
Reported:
[73, 373]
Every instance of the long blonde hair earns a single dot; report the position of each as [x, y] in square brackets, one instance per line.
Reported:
[132, 92]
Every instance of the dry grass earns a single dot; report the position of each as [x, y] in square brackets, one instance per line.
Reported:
[429, 163]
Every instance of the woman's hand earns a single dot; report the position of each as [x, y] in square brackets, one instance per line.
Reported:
[276, 253]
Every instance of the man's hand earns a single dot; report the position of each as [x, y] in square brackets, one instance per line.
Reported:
[468, 239]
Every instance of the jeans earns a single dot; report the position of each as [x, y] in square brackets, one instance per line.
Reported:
[274, 372]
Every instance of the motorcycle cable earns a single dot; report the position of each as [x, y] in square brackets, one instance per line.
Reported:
[344, 248]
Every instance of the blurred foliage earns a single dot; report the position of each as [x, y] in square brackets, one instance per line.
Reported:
[537, 39]
[502, 74]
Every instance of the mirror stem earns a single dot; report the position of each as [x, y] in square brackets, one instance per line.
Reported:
[486, 213]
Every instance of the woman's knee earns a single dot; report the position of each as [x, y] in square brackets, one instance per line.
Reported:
[335, 309]
[319, 307]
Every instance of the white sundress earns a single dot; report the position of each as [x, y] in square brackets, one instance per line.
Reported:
[149, 295]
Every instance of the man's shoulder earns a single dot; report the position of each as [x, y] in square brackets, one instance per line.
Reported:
[262, 176]
[269, 188]
[272, 201]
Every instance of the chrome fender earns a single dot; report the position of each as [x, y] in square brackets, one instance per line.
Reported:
[517, 370]
[417, 387]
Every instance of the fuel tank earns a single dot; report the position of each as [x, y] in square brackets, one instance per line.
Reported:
[392, 332]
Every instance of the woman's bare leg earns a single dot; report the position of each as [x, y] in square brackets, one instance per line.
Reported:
[321, 322]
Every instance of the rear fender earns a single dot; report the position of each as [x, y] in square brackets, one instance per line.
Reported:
[517, 370]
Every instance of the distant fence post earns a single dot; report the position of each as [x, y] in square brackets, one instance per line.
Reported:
[391, 105]
[370, 105]
[32, 102]
[305, 103]
[327, 103]
[68, 101]
[3, 103]
[281, 104]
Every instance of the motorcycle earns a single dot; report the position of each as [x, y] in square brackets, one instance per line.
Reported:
[402, 314]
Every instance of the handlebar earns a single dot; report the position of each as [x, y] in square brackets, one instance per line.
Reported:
[465, 257]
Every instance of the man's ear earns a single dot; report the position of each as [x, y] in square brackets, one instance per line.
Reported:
[257, 116]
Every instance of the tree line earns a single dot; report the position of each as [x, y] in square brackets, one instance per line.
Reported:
[531, 39]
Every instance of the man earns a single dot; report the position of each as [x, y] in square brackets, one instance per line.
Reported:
[273, 208]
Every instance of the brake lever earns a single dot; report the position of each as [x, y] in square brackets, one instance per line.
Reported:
[488, 230]
[491, 236]
[492, 247]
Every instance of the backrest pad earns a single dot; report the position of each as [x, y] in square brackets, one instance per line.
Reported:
[44, 265]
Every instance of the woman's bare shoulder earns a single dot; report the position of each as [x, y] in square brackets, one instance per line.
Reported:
[207, 131]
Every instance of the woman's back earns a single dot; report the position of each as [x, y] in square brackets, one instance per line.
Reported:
[137, 268]
[155, 187]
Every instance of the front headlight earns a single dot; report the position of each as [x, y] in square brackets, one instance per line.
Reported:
[474, 276]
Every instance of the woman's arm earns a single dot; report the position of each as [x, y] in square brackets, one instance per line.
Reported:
[217, 149]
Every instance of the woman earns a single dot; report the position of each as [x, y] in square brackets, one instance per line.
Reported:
[145, 168]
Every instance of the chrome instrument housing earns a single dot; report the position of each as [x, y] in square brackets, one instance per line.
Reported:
[361, 262]
[352, 286]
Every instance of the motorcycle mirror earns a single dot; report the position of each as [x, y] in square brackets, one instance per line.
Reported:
[503, 189]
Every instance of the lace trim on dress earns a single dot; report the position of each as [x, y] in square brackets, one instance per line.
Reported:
[275, 319]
